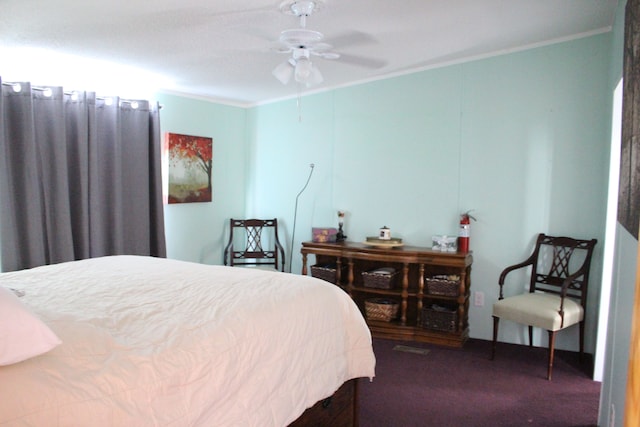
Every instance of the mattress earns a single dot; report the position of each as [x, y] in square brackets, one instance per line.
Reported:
[157, 342]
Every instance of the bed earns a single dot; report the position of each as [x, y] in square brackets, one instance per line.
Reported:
[155, 342]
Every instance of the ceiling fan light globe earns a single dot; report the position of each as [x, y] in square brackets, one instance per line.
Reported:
[303, 71]
[315, 78]
[283, 72]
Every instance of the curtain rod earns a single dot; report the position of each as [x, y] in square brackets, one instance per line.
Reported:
[42, 89]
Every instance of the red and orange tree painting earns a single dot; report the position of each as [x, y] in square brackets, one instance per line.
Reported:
[190, 166]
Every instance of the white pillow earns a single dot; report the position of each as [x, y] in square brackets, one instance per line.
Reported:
[22, 334]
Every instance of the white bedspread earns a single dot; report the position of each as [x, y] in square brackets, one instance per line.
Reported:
[155, 342]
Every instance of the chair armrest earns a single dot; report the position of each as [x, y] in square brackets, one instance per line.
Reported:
[508, 270]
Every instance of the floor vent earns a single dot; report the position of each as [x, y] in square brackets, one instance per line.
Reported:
[408, 349]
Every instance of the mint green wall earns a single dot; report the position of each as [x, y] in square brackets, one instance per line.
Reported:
[197, 231]
[397, 152]
[534, 159]
[522, 139]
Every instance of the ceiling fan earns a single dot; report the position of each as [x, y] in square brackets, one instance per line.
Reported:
[302, 43]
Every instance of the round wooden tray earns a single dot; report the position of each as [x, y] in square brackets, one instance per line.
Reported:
[379, 243]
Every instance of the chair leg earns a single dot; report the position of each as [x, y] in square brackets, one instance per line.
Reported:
[552, 344]
[496, 321]
[530, 336]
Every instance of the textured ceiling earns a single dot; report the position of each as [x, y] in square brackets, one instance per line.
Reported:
[224, 49]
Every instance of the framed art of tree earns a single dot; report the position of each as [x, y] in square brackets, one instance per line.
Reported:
[190, 166]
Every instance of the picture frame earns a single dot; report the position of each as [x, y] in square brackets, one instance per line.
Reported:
[190, 168]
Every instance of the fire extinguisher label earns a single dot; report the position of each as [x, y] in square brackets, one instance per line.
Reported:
[464, 230]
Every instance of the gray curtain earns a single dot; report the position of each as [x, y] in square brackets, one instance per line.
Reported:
[78, 178]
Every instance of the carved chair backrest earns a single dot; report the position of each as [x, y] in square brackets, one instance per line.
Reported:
[556, 258]
[254, 242]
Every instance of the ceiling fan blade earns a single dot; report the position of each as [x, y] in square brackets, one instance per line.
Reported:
[323, 50]
[362, 61]
[327, 55]
[281, 49]
[352, 38]
[321, 47]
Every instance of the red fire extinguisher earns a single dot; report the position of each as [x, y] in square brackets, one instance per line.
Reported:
[463, 233]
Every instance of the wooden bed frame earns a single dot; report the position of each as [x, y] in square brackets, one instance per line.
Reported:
[337, 410]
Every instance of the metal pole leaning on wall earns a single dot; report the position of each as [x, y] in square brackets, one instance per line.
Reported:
[295, 215]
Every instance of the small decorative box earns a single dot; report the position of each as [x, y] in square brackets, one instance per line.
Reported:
[444, 243]
[385, 233]
[324, 235]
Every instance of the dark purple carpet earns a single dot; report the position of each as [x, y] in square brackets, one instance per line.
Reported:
[462, 387]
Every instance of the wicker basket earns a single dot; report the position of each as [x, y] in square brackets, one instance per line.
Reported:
[381, 309]
[380, 278]
[326, 272]
[443, 285]
[440, 318]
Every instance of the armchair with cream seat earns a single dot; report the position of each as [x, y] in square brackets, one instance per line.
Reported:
[254, 243]
[557, 290]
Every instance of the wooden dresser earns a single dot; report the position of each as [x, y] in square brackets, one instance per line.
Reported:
[418, 306]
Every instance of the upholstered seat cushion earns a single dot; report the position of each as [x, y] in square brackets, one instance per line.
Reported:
[539, 310]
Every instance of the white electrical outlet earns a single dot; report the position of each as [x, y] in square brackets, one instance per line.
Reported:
[478, 299]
